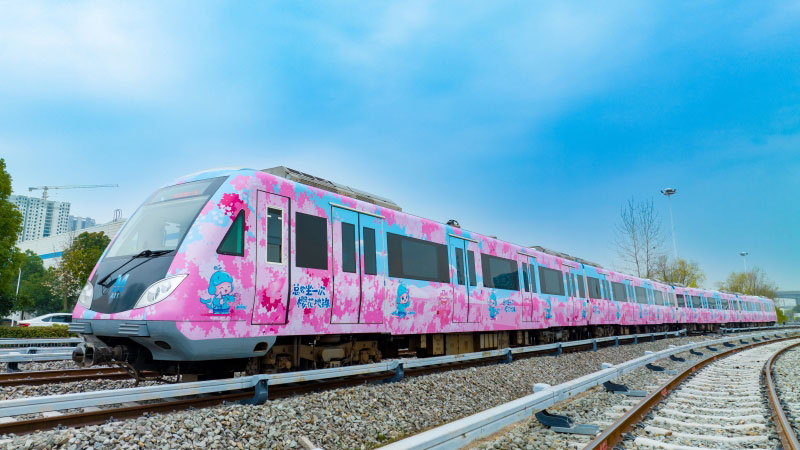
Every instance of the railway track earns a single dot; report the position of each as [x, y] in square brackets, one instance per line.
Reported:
[62, 376]
[76, 417]
[719, 402]
[782, 373]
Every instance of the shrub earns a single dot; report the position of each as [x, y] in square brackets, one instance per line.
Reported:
[55, 331]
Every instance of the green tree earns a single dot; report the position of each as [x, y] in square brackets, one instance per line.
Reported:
[753, 282]
[10, 257]
[35, 292]
[781, 315]
[77, 262]
[680, 271]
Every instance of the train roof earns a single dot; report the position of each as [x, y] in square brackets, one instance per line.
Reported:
[328, 185]
[564, 255]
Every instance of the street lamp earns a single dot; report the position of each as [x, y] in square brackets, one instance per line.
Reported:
[744, 254]
[669, 192]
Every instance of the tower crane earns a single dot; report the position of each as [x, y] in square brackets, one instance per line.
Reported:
[74, 186]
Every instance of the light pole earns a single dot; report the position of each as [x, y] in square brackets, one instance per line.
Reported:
[669, 192]
[744, 254]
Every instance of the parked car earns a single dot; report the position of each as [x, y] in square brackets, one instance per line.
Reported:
[47, 320]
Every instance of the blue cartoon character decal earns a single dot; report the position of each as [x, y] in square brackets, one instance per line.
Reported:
[492, 306]
[220, 287]
[547, 313]
[617, 305]
[403, 302]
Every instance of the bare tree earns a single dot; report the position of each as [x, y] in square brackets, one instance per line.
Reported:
[639, 238]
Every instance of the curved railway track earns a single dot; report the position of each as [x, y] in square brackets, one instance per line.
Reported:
[717, 402]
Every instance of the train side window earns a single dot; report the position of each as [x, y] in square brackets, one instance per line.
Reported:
[581, 287]
[460, 265]
[594, 287]
[725, 304]
[659, 297]
[312, 241]
[274, 235]
[370, 255]
[473, 281]
[348, 247]
[620, 293]
[696, 303]
[551, 281]
[641, 294]
[233, 242]
[525, 277]
[417, 259]
[607, 292]
[500, 273]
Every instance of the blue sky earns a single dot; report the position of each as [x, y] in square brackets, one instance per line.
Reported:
[532, 121]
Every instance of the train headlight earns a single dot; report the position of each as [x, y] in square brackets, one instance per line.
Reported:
[85, 297]
[159, 291]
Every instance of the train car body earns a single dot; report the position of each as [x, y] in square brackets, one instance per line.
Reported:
[227, 268]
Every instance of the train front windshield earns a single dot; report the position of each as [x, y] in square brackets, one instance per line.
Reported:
[163, 220]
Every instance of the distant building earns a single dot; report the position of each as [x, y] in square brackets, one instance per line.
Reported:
[51, 248]
[41, 218]
[787, 299]
[79, 223]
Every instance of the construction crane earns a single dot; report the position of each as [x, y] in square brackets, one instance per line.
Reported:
[74, 186]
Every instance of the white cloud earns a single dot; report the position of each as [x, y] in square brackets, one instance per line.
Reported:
[95, 48]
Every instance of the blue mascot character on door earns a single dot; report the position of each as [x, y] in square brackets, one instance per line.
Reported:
[220, 287]
[493, 306]
[403, 302]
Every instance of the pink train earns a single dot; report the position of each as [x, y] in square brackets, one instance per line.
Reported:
[276, 269]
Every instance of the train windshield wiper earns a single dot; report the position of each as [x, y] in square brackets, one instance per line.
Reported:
[143, 254]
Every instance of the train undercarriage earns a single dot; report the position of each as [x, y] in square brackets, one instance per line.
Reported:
[329, 351]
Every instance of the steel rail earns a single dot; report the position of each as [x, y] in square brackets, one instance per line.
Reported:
[782, 423]
[64, 376]
[615, 432]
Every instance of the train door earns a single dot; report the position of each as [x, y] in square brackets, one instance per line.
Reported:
[538, 309]
[578, 296]
[527, 287]
[359, 276]
[272, 266]
[464, 280]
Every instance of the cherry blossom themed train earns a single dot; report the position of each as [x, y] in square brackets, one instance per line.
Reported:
[263, 271]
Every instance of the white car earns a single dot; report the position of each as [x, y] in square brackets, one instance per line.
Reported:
[47, 320]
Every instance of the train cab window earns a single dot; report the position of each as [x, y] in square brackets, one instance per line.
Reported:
[312, 241]
[370, 254]
[525, 282]
[471, 261]
[593, 285]
[641, 294]
[581, 287]
[620, 293]
[500, 273]
[551, 281]
[348, 247]
[460, 266]
[417, 259]
[233, 242]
